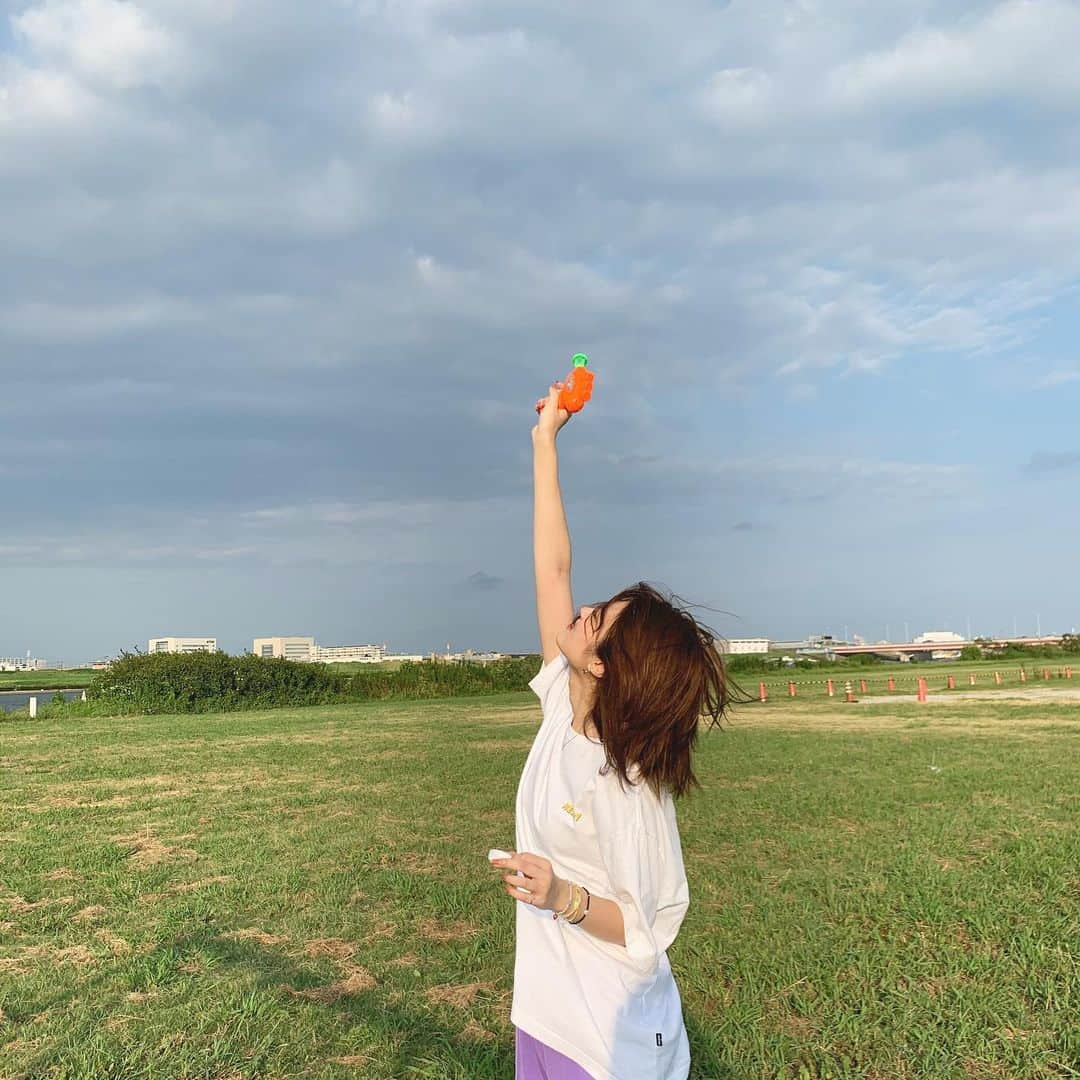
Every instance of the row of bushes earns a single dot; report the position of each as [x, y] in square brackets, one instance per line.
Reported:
[1070, 646]
[138, 683]
[749, 664]
[217, 682]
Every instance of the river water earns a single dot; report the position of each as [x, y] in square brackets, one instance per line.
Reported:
[20, 699]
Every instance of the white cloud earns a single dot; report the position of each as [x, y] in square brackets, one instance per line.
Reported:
[1057, 378]
[739, 95]
[35, 98]
[112, 43]
[1020, 48]
[786, 478]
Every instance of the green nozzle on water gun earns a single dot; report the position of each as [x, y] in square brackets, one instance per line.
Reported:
[577, 389]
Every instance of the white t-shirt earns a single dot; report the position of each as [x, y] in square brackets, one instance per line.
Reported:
[614, 1010]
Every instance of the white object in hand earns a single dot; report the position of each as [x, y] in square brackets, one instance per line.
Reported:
[495, 853]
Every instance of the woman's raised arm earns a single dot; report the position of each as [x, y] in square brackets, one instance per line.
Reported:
[551, 537]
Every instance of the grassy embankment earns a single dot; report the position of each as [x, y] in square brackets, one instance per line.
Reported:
[810, 681]
[70, 679]
[878, 891]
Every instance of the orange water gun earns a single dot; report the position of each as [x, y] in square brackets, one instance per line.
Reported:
[577, 389]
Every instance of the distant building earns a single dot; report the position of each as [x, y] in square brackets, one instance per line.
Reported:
[788, 646]
[350, 654]
[744, 646]
[469, 656]
[940, 637]
[21, 663]
[285, 648]
[306, 649]
[182, 644]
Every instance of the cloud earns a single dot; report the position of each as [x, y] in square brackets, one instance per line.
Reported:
[1056, 378]
[484, 582]
[281, 283]
[1019, 48]
[111, 42]
[1051, 462]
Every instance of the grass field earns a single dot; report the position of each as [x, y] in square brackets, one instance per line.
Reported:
[877, 892]
[71, 679]
[811, 681]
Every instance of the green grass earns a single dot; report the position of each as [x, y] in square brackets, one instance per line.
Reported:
[812, 681]
[876, 892]
[72, 679]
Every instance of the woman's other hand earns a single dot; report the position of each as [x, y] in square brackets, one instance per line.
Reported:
[552, 419]
[543, 887]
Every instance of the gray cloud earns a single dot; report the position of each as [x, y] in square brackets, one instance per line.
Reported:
[484, 582]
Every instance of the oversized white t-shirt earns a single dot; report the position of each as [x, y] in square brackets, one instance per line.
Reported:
[614, 1010]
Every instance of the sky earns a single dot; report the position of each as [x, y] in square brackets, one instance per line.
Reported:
[281, 283]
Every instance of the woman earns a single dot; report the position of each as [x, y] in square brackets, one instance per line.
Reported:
[598, 872]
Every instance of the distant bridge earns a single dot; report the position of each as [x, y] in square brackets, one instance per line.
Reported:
[912, 648]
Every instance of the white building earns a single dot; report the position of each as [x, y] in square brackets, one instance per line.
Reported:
[350, 654]
[302, 649]
[21, 663]
[182, 644]
[744, 646]
[941, 637]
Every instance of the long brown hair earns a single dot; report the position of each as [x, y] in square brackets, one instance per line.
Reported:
[662, 674]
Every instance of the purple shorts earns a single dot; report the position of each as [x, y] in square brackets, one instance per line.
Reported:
[534, 1060]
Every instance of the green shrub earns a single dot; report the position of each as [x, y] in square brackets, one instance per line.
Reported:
[139, 683]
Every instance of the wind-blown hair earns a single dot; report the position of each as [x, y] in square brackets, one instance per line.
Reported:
[662, 674]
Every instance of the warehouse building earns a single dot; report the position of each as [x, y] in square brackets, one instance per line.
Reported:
[351, 654]
[744, 646]
[182, 644]
[301, 649]
[304, 649]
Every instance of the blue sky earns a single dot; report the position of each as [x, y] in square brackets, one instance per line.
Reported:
[281, 284]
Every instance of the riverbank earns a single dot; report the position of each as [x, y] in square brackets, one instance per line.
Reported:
[14, 700]
[46, 679]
